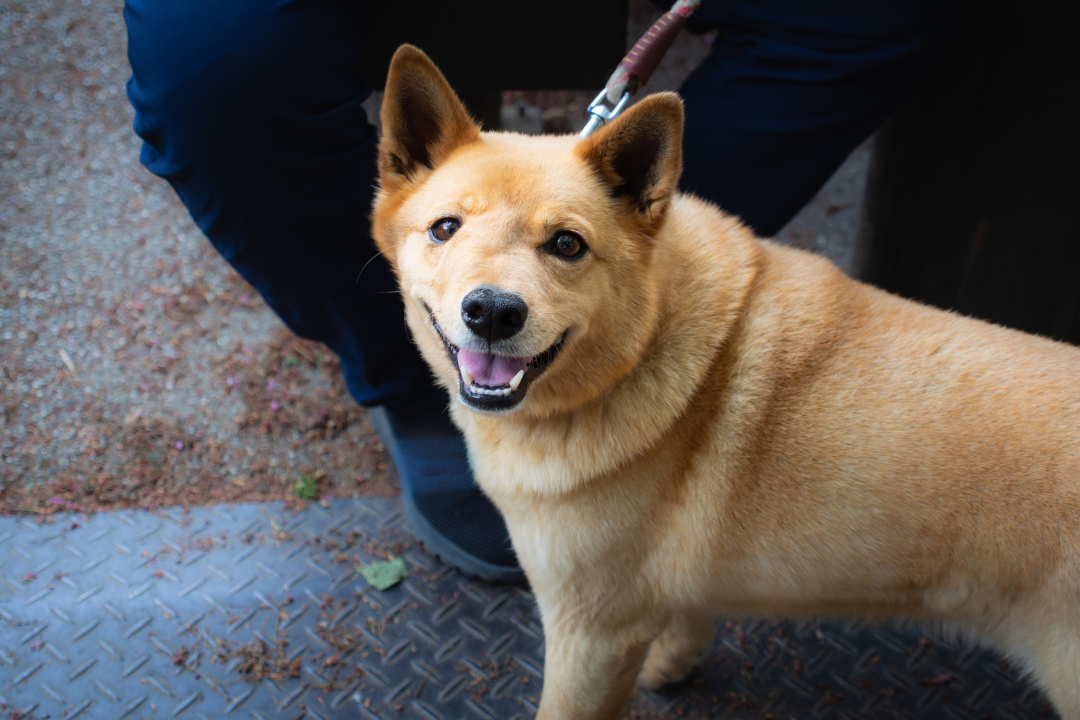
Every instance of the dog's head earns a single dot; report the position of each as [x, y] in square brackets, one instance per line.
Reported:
[524, 262]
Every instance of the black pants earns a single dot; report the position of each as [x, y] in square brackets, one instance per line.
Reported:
[250, 109]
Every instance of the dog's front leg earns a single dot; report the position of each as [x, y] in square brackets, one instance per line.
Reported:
[589, 671]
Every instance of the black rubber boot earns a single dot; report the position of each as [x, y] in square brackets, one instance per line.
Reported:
[443, 505]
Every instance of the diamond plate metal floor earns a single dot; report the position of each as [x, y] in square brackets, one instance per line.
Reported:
[252, 611]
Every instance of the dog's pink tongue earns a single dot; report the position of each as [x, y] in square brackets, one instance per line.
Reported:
[490, 369]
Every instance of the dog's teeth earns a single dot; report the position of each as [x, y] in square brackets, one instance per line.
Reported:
[466, 376]
[516, 380]
[490, 392]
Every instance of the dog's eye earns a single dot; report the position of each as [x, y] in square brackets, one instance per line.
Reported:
[568, 245]
[444, 229]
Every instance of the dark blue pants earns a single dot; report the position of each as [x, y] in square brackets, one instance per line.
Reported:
[250, 109]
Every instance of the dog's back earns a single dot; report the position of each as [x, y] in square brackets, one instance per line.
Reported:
[936, 451]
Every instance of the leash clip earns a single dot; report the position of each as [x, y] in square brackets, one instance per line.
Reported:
[601, 113]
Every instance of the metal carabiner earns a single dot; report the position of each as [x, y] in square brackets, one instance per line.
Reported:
[600, 112]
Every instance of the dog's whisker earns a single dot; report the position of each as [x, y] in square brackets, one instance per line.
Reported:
[357, 281]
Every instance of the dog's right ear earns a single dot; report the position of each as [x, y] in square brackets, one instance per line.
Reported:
[423, 120]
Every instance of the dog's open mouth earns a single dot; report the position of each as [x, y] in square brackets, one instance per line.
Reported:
[489, 381]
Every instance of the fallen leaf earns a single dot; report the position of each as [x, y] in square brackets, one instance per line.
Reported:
[386, 574]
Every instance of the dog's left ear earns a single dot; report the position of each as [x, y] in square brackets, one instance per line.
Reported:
[639, 155]
[423, 120]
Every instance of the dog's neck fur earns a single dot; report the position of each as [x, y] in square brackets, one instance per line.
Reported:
[716, 272]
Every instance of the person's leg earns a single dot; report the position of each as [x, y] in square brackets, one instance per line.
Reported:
[251, 110]
[792, 87]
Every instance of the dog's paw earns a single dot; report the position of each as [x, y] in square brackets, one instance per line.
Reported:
[653, 677]
[675, 652]
[670, 658]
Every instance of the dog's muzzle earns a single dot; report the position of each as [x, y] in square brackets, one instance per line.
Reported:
[493, 382]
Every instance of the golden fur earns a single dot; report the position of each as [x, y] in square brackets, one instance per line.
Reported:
[731, 427]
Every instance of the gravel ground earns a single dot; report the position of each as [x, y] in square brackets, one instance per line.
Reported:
[136, 369]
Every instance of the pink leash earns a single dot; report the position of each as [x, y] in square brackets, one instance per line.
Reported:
[638, 65]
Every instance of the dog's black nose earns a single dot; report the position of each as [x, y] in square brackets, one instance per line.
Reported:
[492, 314]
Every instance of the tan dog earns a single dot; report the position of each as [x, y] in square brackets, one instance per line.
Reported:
[679, 420]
